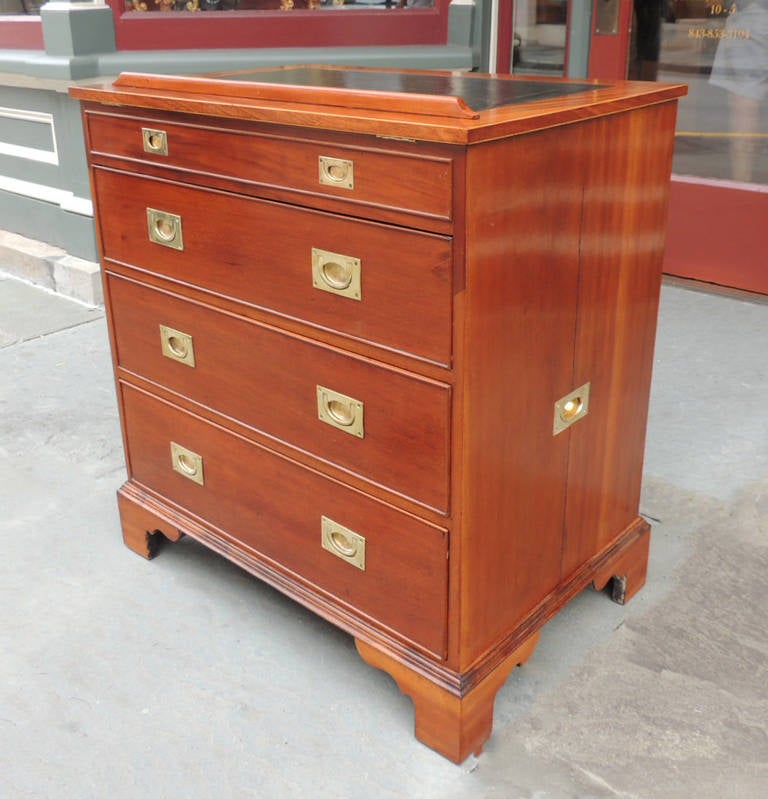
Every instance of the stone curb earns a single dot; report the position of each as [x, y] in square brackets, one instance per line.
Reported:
[51, 267]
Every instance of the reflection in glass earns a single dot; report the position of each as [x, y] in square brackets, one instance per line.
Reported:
[740, 66]
[720, 49]
[538, 39]
[20, 6]
[646, 39]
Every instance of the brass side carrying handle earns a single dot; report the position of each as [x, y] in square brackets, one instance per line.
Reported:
[571, 408]
[165, 228]
[177, 346]
[340, 411]
[154, 141]
[343, 542]
[336, 172]
[336, 273]
[187, 463]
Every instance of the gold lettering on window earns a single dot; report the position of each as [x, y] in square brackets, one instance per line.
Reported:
[721, 9]
[719, 33]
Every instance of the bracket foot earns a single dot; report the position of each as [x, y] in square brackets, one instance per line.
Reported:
[627, 570]
[455, 726]
[143, 531]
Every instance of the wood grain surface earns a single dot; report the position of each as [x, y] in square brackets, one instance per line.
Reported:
[507, 260]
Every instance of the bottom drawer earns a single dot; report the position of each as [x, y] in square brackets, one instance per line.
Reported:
[384, 564]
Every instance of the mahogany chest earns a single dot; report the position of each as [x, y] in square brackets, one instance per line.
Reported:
[384, 339]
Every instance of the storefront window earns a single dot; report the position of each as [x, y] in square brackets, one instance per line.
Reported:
[215, 24]
[721, 51]
[268, 5]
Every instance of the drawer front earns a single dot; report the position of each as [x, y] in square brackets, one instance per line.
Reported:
[276, 508]
[302, 264]
[269, 380]
[372, 177]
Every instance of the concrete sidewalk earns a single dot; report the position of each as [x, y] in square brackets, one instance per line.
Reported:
[185, 677]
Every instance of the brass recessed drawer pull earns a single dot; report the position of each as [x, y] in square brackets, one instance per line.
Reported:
[177, 346]
[336, 172]
[187, 463]
[337, 274]
[165, 228]
[571, 408]
[340, 411]
[343, 542]
[155, 141]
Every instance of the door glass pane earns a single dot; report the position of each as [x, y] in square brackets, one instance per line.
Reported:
[721, 51]
[538, 37]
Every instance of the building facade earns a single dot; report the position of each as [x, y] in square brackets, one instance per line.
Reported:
[720, 185]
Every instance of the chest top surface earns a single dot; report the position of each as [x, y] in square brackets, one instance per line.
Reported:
[455, 107]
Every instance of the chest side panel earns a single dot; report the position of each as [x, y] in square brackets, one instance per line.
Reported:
[625, 204]
[522, 272]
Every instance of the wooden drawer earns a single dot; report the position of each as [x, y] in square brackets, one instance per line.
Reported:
[375, 177]
[275, 508]
[269, 380]
[287, 260]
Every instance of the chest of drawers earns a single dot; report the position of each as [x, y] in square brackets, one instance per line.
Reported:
[385, 340]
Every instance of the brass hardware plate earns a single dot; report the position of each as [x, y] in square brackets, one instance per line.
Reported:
[343, 542]
[571, 408]
[336, 172]
[177, 346]
[187, 463]
[336, 273]
[165, 229]
[155, 141]
[339, 411]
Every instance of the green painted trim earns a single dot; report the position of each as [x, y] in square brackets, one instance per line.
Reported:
[483, 13]
[578, 49]
[78, 31]
[35, 63]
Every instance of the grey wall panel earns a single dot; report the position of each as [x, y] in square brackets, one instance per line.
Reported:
[28, 169]
[23, 128]
[70, 144]
[44, 221]
[44, 190]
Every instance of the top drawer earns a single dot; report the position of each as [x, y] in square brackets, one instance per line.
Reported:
[375, 177]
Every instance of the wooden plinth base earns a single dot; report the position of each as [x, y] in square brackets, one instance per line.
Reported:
[454, 726]
[452, 720]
